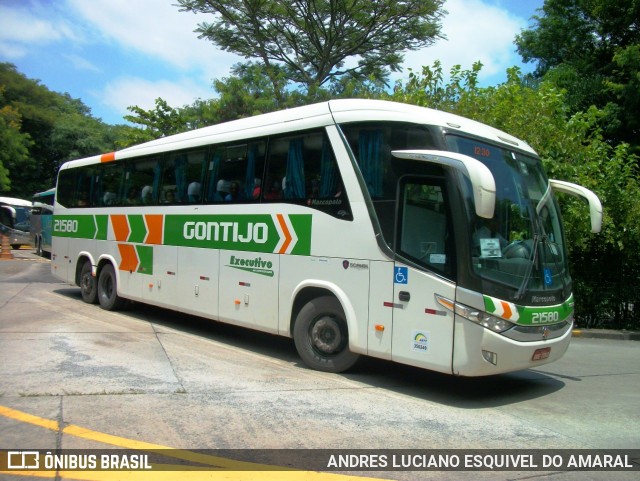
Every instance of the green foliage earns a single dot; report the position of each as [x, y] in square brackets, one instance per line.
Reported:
[39, 130]
[590, 48]
[246, 92]
[249, 91]
[312, 42]
[624, 86]
[158, 122]
[15, 144]
[428, 89]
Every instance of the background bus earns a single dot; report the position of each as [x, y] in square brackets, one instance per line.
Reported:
[14, 221]
[352, 226]
[42, 221]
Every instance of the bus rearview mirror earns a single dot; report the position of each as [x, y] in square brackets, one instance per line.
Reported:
[595, 207]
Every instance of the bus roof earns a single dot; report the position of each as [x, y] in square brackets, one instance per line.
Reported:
[310, 116]
[15, 202]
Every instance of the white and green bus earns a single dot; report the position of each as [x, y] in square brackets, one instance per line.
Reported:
[355, 227]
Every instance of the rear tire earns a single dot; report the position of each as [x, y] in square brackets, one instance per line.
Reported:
[108, 290]
[88, 286]
[321, 336]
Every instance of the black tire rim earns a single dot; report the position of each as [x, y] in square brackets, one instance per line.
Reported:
[87, 283]
[107, 287]
[326, 335]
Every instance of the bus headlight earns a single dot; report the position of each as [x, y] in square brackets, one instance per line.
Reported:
[479, 317]
[492, 322]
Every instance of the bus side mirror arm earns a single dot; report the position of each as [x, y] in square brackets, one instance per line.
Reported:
[481, 178]
[595, 207]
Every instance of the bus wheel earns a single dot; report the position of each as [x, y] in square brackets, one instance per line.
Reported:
[108, 290]
[88, 286]
[321, 336]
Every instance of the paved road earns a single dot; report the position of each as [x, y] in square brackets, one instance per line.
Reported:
[154, 376]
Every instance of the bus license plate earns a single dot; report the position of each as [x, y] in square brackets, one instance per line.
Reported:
[541, 354]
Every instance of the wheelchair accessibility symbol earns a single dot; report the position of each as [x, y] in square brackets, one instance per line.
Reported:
[401, 275]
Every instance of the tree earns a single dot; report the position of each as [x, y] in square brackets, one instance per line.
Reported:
[41, 129]
[158, 122]
[590, 49]
[15, 144]
[248, 91]
[311, 42]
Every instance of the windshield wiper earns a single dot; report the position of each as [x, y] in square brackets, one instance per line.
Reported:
[533, 260]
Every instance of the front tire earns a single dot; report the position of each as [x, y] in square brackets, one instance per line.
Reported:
[88, 287]
[108, 290]
[321, 336]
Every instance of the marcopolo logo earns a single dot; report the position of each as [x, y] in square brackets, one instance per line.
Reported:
[256, 265]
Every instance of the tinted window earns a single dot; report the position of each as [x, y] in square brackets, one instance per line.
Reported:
[235, 172]
[424, 230]
[183, 176]
[371, 144]
[302, 169]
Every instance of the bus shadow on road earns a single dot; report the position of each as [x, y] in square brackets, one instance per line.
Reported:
[461, 392]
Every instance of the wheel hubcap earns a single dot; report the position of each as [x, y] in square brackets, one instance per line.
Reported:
[326, 335]
[87, 283]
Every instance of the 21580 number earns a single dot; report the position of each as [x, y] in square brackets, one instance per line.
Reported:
[65, 225]
[545, 317]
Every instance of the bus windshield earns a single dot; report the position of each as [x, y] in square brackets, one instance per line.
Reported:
[522, 247]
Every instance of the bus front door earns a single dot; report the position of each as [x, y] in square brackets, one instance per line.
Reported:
[422, 328]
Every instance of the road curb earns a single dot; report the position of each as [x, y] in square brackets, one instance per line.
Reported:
[607, 334]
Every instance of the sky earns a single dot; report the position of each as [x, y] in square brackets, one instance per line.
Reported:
[113, 54]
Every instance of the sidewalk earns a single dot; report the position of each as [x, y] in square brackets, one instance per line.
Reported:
[607, 334]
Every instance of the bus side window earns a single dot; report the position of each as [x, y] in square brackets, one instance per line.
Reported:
[195, 174]
[235, 173]
[255, 170]
[84, 187]
[275, 180]
[214, 186]
[109, 181]
[66, 187]
[142, 181]
[182, 177]
[302, 169]
[288, 159]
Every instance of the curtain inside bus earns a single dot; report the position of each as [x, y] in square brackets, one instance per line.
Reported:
[328, 174]
[295, 188]
[371, 149]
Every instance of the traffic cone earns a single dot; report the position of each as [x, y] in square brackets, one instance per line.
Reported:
[6, 249]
